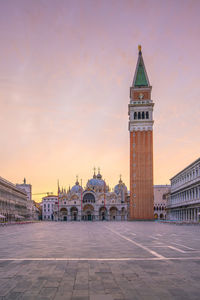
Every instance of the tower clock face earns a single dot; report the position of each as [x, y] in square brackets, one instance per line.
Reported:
[141, 96]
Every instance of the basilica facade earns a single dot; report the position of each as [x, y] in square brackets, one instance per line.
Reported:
[95, 202]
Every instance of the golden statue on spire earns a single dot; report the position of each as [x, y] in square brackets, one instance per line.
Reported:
[139, 48]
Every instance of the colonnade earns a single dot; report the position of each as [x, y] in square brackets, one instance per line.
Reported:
[191, 193]
[185, 214]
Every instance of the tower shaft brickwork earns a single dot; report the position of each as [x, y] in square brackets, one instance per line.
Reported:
[141, 145]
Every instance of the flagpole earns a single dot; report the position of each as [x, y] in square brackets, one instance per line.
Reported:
[81, 199]
[58, 200]
[104, 194]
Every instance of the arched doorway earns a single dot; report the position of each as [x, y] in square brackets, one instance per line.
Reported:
[88, 212]
[161, 216]
[155, 216]
[102, 213]
[74, 213]
[113, 213]
[123, 212]
[63, 214]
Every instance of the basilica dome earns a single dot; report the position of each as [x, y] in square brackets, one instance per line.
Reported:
[120, 187]
[96, 183]
[76, 188]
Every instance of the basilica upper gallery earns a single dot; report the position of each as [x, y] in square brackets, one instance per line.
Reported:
[94, 202]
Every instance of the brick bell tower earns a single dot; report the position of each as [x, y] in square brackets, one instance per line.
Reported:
[141, 145]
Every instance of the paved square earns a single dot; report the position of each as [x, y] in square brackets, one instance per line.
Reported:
[99, 260]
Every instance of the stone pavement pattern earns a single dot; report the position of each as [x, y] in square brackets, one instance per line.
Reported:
[108, 260]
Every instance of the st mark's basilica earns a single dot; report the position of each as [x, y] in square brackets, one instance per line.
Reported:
[95, 202]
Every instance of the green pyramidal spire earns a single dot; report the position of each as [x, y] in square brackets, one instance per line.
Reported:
[140, 78]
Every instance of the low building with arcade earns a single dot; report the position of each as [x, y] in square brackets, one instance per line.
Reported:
[95, 202]
[184, 201]
[160, 201]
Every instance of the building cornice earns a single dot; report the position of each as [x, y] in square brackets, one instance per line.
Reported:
[186, 168]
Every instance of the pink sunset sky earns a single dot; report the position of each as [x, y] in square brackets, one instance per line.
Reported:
[65, 72]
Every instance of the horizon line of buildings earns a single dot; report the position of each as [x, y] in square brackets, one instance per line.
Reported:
[70, 206]
[179, 201]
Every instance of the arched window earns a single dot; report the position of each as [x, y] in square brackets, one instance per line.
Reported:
[88, 198]
[143, 115]
[139, 115]
[135, 115]
[147, 114]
